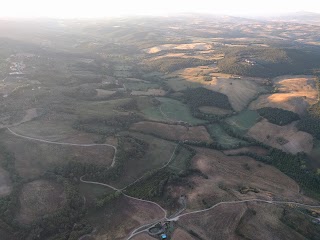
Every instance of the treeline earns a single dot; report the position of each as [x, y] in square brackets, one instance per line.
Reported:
[278, 116]
[106, 126]
[268, 62]
[171, 64]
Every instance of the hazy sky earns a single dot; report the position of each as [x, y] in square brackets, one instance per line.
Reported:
[105, 8]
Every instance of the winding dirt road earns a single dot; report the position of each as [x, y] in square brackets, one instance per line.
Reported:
[67, 144]
[145, 227]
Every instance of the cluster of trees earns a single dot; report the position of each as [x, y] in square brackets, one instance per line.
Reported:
[106, 126]
[268, 62]
[278, 116]
[172, 64]
[310, 125]
[294, 167]
[131, 105]
[197, 97]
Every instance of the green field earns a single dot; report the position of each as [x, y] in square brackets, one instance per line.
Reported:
[243, 121]
[170, 110]
[222, 138]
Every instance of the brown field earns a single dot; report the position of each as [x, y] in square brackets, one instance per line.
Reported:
[214, 110]
[240, 221]
[218, 223]
[173, 132]
[150, 92]
[227, 174]
[258, 216]
[295, 93]
[5, 183]
[38, 198]
[254, 149]
[239, 91]
[180, 234]
[33, 158]
[295, 140]
[191, 46]
[119, 218]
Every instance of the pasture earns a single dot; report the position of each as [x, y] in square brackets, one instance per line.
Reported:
[219, 135]
[292, 93]
[243, 121]
[170, 110]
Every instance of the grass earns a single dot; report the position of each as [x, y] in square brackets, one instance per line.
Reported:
[170, 110]
[221, 137]
[182, 160]
[243, 121]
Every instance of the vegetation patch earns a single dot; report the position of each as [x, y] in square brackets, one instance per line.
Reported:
[243, 121]
[278, 116]
[198, 97]
[170, 110]
[224, 139]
